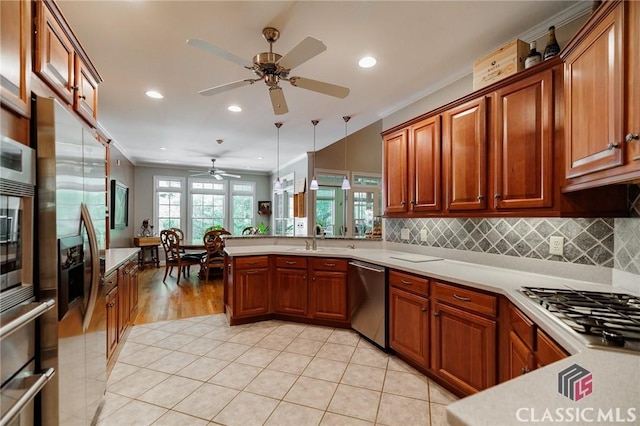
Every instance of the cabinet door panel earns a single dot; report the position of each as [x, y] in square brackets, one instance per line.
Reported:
[464, 348]
[409, 325]
[424, 165]
[523, 173]
[112, 321]
[252, 292]
[328, 295]
[395, 172]
[521, 360]
[86, 99]
[291, 291]
[15, 55]
[54, 54]
[465, 147]
[594, 99]
[633, 80]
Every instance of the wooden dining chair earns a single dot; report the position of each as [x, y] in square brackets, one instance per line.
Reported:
[180, 233]
[249, 230]
[214, 245]
[175, 257]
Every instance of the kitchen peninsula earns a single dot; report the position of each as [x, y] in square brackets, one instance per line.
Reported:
[615, 374]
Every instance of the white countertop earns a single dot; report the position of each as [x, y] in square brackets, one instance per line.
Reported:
[616, 375]
[116, 257]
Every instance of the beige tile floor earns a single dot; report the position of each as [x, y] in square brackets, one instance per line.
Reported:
[200, 371]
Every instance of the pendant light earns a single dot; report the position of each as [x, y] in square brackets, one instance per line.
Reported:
[313, 186]
[277, 186]
[345, 181]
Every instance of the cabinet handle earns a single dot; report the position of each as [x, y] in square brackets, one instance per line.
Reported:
[110, 305]
[463, 299]
[613, 145]
[406, 282]
[423, 309]
[330, 265]
[83, 97]
[413, 202]
[497, 196]
[631, 137]
[402, 203]
[74, 88]
[252, 272]
[480, 197]
[524, 370]
[251, 263]
[436, 314]
[291, 262]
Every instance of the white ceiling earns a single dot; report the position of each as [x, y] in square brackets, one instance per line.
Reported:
[138, 45]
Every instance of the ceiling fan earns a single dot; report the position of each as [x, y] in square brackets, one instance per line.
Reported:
[273, 67]
[216, 173]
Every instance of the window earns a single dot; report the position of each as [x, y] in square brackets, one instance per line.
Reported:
[168, 202]
[283, 207]
[242, 206]
[367, 202]
[326, 209]
[207, 206]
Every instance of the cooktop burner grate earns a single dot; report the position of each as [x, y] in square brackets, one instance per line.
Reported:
[607, 319]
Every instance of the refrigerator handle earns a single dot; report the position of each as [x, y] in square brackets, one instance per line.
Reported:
[27, 397]
[95, 265]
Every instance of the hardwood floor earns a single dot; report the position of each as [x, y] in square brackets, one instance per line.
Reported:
[160, 301]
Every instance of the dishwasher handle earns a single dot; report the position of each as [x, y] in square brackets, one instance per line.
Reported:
[367, 267]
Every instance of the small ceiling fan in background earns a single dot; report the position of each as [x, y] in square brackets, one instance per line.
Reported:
[272, 68]
[215, 173]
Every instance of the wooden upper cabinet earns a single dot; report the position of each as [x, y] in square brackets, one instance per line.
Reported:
[524, 143]
[424, 165]
[632, 130]
[594, 97]
[61, 62]
[395, 171]
[465, 155]
[15, 55]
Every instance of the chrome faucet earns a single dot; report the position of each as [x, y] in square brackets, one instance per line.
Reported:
[306, 245]
[314, 245]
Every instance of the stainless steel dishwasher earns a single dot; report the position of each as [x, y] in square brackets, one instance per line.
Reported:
[367, 300]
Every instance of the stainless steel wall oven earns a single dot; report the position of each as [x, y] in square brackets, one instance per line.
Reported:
[20, 381]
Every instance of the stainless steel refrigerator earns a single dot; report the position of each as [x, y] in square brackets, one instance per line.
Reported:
[71, 233]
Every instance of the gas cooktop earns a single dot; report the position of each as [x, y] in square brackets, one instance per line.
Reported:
[607, 320]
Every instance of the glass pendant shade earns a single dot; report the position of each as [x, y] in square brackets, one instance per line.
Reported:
[277, 186]
[313, 186]
[345, 181]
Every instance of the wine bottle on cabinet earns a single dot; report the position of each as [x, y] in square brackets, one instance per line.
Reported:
[534, 57]
[553, 48]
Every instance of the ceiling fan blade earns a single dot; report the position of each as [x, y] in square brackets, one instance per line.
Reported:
[278, 101]
[320, 87]
[231, 175]
[221, 53]
[224, 88]
[199, 174]
[218, 177]
[305, 50]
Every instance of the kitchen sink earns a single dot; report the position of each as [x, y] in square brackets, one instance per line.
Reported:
[320, 249]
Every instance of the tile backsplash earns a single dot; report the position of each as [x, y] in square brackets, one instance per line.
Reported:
[613, 243]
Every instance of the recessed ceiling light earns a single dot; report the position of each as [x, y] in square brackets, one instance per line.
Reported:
[367, 62]
[234, 108]
[154, 94]
[259, 158]
[163, 149]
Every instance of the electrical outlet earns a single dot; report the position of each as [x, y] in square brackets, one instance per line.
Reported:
[404, 234]
[556, 245]
[423, 234]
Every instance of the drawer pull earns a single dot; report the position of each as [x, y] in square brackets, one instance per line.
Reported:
[405, 282]
[524, 370]
[631, 137]
[330, 265]
[251, 263]
[291, 262]
[423, 309]
[252, 272]
[436, 314]
[461, 298]
[613, 145]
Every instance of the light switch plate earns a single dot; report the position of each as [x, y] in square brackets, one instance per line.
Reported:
[404, 234]
[556, 245]
[423, 235]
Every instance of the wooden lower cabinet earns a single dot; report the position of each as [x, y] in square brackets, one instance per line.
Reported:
[328, 295]
[290, 291]
[521, 359]
[133, 290]
[124, 311]
[112, 321]
[463, 348]
[252, 291]
[409, 325]
[547, 351]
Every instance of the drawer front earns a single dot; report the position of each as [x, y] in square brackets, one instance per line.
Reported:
[466, 298]
[252, 262]
[328, 264]
[296, 262]
[522, 326]
[412, 283]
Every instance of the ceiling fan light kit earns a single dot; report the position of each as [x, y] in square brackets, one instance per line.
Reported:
[217, 173]
[273, 68]
[345, 181]
[313, 186]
